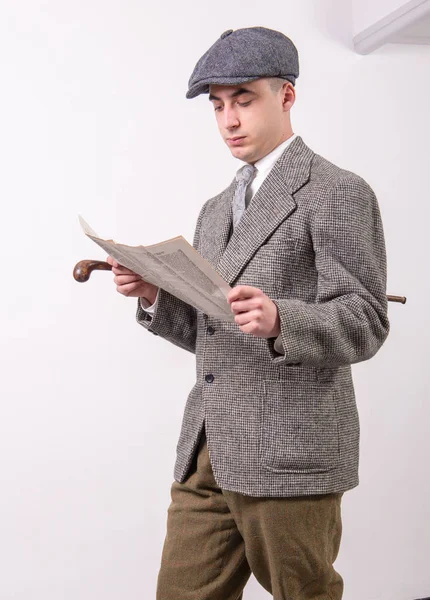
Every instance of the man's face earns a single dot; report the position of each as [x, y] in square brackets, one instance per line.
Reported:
[251, 117]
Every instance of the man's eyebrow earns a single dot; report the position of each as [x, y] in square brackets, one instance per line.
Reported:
[238, 92]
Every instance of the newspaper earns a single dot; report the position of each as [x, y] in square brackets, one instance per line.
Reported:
[176, 267]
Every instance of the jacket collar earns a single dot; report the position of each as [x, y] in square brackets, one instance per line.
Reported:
[271, 205]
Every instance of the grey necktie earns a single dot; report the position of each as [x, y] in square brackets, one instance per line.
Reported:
[244, 177]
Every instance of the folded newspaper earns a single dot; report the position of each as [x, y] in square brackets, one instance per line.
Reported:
[176, 267]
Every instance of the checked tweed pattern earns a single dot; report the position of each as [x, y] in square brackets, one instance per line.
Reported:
[284, 424]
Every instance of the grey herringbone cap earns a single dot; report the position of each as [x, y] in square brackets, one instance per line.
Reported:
[245, 55]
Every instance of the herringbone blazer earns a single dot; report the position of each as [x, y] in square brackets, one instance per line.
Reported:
[284, 424]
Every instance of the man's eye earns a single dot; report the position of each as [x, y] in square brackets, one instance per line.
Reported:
[245, 103]
[217, 107]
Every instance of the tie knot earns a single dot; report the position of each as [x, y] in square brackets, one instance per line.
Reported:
[246, 173]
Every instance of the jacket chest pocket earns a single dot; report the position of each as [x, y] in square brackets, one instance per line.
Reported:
[299, 429]
[270, 266]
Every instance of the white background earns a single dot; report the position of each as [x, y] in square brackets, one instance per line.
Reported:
[94, 120]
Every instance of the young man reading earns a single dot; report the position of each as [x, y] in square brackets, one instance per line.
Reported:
[270, 433]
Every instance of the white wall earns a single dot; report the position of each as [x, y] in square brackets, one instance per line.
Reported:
[93, 116]
[367, 12]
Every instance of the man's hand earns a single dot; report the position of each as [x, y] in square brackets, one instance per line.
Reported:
[129, 283]
[255, 312]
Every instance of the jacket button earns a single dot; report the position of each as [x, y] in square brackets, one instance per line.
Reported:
[209, 378]
[210, 330]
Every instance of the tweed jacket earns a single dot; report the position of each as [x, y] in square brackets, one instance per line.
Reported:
[284, 424]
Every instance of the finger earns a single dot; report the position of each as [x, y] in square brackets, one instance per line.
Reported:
[112, 261]
[120, 270]
[126, 279]
[242, 292]
[239, 306]
[128, 289]
[247, 317]
[252, 327]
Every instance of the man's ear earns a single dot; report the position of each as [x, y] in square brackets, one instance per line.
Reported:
[288, 95]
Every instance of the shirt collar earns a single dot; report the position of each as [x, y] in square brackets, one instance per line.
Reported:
[266, 163]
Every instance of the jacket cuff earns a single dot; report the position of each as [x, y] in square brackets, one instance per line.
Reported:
[143, 317]
[287, 347]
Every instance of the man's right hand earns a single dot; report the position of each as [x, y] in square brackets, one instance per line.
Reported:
[130, 283]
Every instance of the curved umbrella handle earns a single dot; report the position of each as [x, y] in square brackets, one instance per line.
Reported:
[84, 268]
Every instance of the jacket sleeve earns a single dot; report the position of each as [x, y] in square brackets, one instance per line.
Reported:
[173, 319]
[348, 321]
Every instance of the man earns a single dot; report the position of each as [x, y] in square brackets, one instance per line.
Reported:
[269, 439]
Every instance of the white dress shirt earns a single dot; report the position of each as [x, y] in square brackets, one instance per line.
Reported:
[263, 166]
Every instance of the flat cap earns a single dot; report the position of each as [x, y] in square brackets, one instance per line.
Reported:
[245, 55]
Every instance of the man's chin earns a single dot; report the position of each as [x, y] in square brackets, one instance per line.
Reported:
[240, 152]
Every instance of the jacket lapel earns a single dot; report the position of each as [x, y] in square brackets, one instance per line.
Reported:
[216, 228]
[271, 205]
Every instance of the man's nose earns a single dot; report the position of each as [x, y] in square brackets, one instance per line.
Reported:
[231, 120]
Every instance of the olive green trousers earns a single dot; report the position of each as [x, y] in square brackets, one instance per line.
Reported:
[216, 538]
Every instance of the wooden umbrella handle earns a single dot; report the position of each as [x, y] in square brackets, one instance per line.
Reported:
[400, 299]
[84, 268]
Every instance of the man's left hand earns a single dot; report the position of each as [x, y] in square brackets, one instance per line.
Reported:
[255, 312]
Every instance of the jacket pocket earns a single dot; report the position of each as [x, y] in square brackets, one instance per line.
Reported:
[279, 246]
[299, 432]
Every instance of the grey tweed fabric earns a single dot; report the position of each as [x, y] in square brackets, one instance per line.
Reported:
[245, 55]
[244, 177]
[284, 425]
